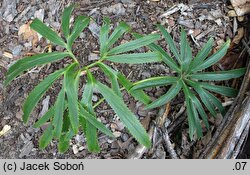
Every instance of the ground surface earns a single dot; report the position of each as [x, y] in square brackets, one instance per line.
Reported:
[201, 20]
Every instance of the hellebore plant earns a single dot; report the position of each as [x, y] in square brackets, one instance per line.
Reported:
[190, 80]
[70, 113]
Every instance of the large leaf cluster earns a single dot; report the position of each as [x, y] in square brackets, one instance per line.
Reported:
[69, 112]
[189, 79]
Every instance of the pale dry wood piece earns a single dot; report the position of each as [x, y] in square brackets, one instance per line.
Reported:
[169, 145]
[234, 131]
[241, 7]
[182, 7]
[241, 141]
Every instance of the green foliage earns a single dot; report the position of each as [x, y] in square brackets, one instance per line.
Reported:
[69, 113]
[189, 80]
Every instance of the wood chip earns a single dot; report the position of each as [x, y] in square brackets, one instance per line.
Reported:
[8, 55]
[5, 129]
[239, 36]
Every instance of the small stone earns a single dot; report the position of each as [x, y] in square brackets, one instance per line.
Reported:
[19, 114]
[94, 98]
[81, 148]
[93, 57]
[79, 138]
[124, 137]
[29, 44]
[95, 29]
[16, 51]
[218, 22]
[82, 35]
[75, 149]
[39, 14]
[59, 48]
[117, 134]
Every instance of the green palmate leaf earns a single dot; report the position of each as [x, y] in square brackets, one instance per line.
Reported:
[72, 96]
[214, 58]
[58, 117]
[111, 74]
[227, 91]
[104, 34]
[63, 145]
[46, 137]
[126, 116]
[28, 62]
[80, 24]
[172, 92]
[132, 45]
[137, 94]
[186, 52]
[220, 75]
[117, 33]
[154, 81]
[38, 92]
[90, 129]
[48, 115]
[95, 123]
[136, 58]
[171, 43]
[66, 20]
[165, 57]
[202, 55]
[46, 32]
